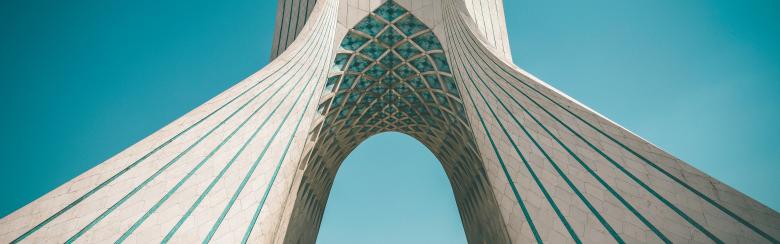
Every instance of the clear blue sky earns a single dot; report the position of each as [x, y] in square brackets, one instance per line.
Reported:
[82, 80]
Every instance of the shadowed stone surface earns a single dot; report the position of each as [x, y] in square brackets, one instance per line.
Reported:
[526, 162]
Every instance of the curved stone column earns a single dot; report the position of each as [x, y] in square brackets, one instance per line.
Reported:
[526, 162]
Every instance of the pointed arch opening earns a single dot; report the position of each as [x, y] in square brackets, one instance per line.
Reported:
[382, 196]
[391, 74]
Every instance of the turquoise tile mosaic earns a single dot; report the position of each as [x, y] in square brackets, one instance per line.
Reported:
[391, 74]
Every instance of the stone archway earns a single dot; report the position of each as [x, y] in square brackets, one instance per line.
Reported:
[391, 74]
[526, 162]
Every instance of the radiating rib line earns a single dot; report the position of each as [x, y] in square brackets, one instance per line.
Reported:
[647, 161]
[219, 176]
[644, 220]
[511, 183]
[569, 183]
[587, 168]
[152, 177]
[294, 11]
[252, 169]
[158, 172]
[298, 25]
[628, 174]
[284, 155]
[306, 16]
[509, 179]
[203, 161]
[663, 200]
[281, 24]
[297, 55]
[527, 165]
[281, 160]
[674, 178]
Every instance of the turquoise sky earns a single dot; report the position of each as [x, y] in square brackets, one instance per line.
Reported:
[82, 80]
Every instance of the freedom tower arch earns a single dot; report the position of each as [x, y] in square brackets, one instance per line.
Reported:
[526, 162]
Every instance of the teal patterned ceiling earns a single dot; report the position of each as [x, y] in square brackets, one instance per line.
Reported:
[391, 74]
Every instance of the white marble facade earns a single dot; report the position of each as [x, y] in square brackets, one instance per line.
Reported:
[527, 163]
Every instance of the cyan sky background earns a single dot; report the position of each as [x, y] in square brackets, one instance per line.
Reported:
[82, 80]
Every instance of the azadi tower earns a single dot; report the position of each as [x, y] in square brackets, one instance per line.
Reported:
[526, 162]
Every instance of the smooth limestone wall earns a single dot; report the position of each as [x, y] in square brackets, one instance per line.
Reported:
[239, 167]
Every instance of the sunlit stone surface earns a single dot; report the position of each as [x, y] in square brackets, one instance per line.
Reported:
[526, 162]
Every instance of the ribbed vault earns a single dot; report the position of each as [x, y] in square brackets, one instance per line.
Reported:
[391, 74]
[528, 164]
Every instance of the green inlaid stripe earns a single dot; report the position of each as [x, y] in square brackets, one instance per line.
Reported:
[129, 167]
[281, 160]
[518, 198]
[279, 164]
[666, 202]
[296, 10]
[536, 179]
[159, 171]
[509, 179]
[297, 55]
[224, 169]
[308, 11]
[287, 29]
[281, 25]
[145, 182]
[652, 164]
[677, 180]
[502, 44]
[482, 16]
[563, 176]
[203, 161]
[152, 177]
[528, 166]
[132, 165]
[298, 25]
[587, 168]
[254, 167]
[621, 168]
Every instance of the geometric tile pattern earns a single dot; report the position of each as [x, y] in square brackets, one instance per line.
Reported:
[526, 162]
[390, 73]
[578, 177]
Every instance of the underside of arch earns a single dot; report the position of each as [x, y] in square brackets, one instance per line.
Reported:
[391, 73]
[527, 163]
